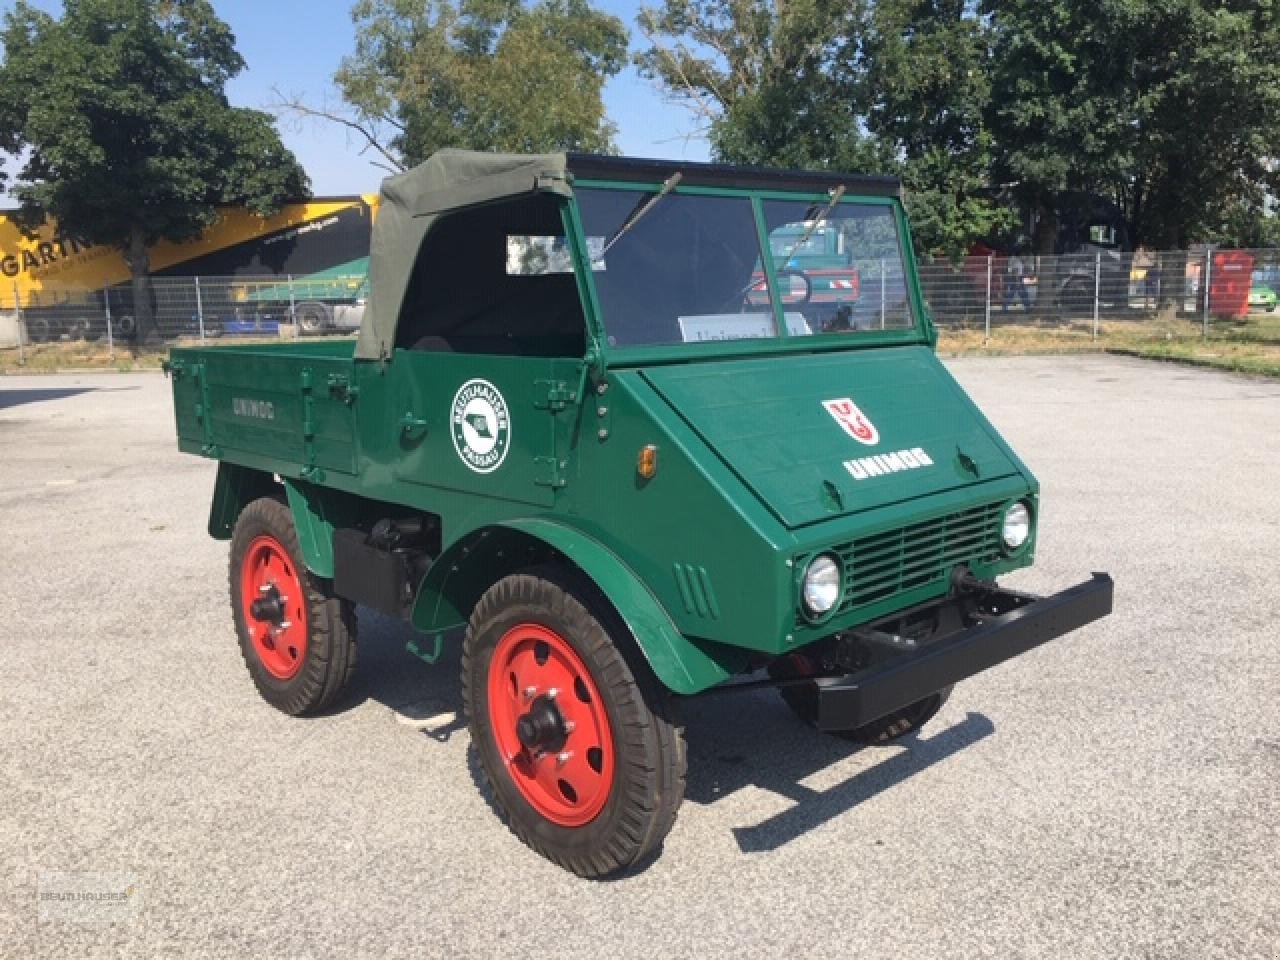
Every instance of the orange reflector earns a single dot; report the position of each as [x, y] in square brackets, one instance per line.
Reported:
[647, 462]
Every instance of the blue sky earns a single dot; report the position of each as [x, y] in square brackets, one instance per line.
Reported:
[296, 45]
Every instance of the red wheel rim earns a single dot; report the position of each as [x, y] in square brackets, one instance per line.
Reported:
[274, 607]
[539, 685]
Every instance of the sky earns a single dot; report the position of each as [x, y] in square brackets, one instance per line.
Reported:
[296, 45]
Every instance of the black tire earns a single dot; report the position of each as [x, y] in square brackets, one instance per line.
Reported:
[312, 318]
[124, 327]
[39, 330]
[330, 656]
[649, 753]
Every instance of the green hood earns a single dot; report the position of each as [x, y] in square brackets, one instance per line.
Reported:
[784, 427]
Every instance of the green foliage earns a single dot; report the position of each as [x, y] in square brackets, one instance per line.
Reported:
[483, 74]
[122, 108]
[894, 86]
[768, 83]
[926, 67]
[1168, 106]
[120, 113]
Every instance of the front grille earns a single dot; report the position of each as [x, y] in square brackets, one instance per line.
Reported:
[919, 555]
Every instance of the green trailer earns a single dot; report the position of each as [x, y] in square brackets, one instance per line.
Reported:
[573, 430]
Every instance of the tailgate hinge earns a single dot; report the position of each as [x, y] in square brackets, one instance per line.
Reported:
[204, 410]
[309, 471]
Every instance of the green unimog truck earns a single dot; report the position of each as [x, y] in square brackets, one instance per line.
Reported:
[570, 425]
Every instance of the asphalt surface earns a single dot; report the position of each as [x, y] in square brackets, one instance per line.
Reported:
[1113, 794]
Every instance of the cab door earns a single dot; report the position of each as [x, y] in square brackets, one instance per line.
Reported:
[499, 427]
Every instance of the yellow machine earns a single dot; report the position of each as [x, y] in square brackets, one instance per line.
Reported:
[48, 267]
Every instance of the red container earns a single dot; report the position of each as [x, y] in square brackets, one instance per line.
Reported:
[1229, 283]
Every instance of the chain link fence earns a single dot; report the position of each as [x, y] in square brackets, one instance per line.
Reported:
[1097, 294]
[1101, 287]
[182, 308]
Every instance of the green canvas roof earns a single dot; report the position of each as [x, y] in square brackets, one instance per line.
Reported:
[452, 179]
[413, 201]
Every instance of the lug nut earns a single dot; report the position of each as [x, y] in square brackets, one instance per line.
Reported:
[563, 758]
[530, 692]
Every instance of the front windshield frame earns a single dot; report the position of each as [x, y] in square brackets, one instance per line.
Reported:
[781, 340]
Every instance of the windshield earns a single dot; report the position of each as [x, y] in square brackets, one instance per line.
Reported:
[691, 269]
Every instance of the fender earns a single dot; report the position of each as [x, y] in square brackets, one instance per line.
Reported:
[470, 566]
[235, 488]
[316, 510]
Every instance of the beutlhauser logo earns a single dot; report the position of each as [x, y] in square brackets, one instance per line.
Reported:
[481, 426]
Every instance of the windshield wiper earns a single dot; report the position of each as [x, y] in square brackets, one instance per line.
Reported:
[836, 194]
[639, 213]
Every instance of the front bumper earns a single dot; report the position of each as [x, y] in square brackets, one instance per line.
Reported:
[1017, 623]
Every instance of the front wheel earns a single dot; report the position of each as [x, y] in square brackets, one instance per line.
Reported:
[572, 733]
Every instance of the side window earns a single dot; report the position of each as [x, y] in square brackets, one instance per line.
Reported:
[495, 279]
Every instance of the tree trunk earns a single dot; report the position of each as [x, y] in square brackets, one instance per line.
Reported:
[139, 260]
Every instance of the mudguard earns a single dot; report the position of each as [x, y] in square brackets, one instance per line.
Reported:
[235, 488]
[469, 567]
[316, 510]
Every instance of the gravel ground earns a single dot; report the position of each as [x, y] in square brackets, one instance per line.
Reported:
[1114, 794]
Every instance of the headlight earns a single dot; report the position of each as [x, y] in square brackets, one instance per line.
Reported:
[1016, 527]
[821, 586]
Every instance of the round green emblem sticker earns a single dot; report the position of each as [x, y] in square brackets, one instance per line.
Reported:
[481, 426]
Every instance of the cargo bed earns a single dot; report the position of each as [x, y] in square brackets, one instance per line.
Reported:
[284, 407]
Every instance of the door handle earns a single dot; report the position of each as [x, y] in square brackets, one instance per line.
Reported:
[412, 427]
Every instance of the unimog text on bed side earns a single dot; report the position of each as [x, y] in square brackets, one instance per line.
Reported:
[572, 424]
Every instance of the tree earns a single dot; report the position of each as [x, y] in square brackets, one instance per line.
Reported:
[926, 67]
[1167, 106]
[768, 83]
[482, 74]
[120, 111]
[895, 86]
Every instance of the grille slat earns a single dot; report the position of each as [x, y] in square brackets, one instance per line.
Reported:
[884, 564]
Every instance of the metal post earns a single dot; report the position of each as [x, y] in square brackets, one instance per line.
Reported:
[111, 337]
[1208, 276]
[1097, 291]
[199, 308]
[22, 326]
[882, 293]
[293, 311]
[986, 337]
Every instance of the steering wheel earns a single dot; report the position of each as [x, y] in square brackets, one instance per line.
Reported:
[788, 294]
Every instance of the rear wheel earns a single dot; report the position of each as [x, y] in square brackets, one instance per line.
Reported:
[297, 639]
[313, 318]
[572, 733]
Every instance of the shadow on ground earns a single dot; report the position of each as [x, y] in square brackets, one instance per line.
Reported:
[773, 751]
[19, 396]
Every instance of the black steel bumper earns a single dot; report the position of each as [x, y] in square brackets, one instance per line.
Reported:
[1018, 623]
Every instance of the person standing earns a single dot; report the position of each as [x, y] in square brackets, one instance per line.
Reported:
[1014, 286]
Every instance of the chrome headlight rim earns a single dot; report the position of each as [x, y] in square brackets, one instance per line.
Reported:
[1023, 504]
[809, 613]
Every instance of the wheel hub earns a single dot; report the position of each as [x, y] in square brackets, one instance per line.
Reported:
[270, 607]
[542, 729]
